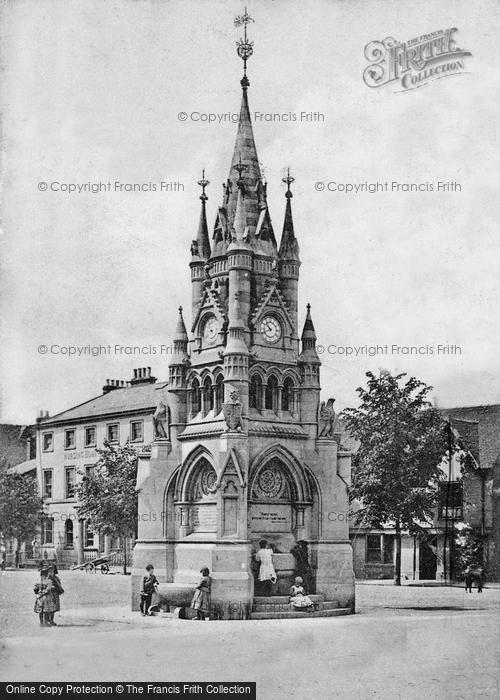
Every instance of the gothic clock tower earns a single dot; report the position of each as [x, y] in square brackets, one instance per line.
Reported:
[250, 453]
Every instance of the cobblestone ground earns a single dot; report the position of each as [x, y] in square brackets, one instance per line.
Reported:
[406, 642]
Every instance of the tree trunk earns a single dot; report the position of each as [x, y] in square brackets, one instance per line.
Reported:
[16, 555]
[125, 556]
[397, 567]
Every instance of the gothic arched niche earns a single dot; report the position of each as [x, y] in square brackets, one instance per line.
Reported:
[202, 484]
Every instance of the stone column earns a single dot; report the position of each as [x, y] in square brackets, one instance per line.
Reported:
[80, 542]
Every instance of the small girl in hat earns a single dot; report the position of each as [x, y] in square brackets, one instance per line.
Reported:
[45, 604]
[298, 597]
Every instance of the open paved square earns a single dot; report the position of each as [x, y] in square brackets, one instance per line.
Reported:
[410, 642]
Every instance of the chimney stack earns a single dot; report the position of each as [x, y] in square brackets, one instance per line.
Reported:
[142, 375]
[112, 384]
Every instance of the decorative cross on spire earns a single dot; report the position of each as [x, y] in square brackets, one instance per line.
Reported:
[245, 47]
[203, 184]
[288, 181]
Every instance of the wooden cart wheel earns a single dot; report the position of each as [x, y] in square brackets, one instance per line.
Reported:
[104, 568]
[89, 567]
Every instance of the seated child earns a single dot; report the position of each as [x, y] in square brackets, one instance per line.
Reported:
[298, 598]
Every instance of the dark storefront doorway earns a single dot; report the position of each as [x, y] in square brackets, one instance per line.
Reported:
[428, 559]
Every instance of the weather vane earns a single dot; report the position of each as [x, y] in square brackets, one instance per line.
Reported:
[245, 47]
[288, 181]
[203, 183]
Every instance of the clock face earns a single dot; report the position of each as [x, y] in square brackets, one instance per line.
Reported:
[210, 330]
[271, 329]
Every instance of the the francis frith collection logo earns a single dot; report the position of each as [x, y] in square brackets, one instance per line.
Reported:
[416, 62]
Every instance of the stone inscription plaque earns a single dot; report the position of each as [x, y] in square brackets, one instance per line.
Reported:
[204, 518]
[270, 518]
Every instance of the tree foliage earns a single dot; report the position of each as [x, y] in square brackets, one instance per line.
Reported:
[20, 507]
[107, 495]
[402, 441]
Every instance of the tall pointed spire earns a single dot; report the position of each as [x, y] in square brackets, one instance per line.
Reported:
[308, 339]
[181, 335]
[289, 247]
[201, 246]
[245, 175]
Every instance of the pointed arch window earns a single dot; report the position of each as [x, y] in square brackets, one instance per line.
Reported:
[271, 397]
[219, 394]
[208, 396]
[195, 397]
[287, 402]
[255, 392]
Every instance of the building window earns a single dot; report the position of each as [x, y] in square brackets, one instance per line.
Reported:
[47, 483]
[89, 535]
[287, 395]
[136, 432]
[195, 397]
[47, 531]
[113, 432]
[255, 392]
[70, 482]
[90, 437]
[48, 442]
[69, 439]
[68, 533]
[450, 499]
[388, 547]
[89, 470]
[272, 393]
[373, 548]
[380, 549]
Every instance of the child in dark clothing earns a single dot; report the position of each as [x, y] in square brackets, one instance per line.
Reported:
[149, 586]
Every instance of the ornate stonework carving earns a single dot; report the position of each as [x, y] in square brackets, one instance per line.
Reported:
[232, 411]
[326, 419]
[208, 480]
[161, 422]
[270, 483]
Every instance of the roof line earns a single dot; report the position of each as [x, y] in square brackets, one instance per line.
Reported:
[483, 405]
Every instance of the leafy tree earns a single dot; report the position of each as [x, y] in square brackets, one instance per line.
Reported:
[107, 496]
[469, 548]
[402, 441]
[20, 508]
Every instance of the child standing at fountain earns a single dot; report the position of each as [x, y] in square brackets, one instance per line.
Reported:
[201, 597]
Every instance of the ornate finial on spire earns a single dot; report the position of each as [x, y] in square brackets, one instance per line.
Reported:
[245, 47]
[308, 307]
[240, 167]
[288, 181]
[203, 184]
[180, 310]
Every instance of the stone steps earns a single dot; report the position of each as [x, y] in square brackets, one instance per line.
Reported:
[291, 614]
[277, 607]
[285, 607]
[273, 599]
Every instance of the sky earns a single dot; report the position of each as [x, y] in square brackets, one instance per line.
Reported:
[92, 93]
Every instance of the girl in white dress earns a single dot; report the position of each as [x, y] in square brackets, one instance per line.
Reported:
[298, 597]
[267, 574]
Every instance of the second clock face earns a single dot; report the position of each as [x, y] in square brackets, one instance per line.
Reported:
[270, 328]
[210, 330]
